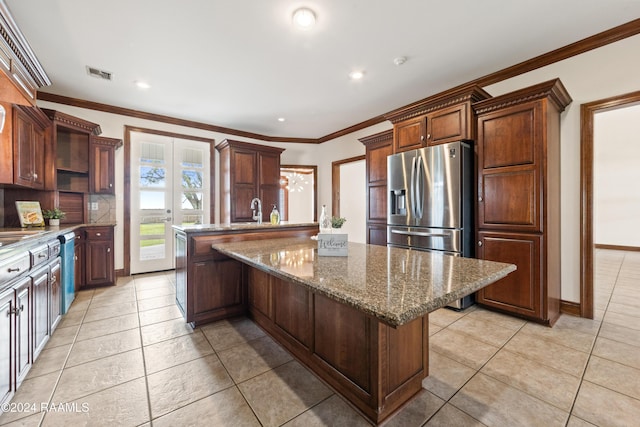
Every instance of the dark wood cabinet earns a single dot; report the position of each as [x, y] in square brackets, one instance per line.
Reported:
[102, 164]
[99, 259]
[377, 147]
[439, 119]
[31, 148]
[211, 286]
[247, 171]
[519, 198]
[78, 259]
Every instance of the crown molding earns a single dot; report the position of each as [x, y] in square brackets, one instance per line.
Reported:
[423, 106]
[384, 136]
[552, 89]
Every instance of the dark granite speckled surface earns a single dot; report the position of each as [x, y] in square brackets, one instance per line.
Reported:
[394, 285]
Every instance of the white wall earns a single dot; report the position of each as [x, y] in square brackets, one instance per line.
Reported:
[608, 71]
[300, 207]
[616, 177]
[353, 187]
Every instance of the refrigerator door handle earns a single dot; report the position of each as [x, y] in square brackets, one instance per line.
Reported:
[419, 183]
[419, 233]
[412, 184]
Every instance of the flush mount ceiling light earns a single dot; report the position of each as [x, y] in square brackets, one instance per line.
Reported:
[356, 75]
[304, 18]
[281, 119]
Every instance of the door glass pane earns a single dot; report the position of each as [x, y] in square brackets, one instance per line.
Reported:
[191, 201]
[152, 176]
[152, 200]
[152, 239]
[191, 179]
[191, 158]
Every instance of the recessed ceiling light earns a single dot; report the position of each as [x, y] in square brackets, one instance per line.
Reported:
[142, 85]
[400, 60]
[304, 18]
[356, 75]
[281, 119]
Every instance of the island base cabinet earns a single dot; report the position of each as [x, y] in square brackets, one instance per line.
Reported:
[376, 367]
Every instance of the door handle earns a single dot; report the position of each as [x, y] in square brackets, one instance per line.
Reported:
[418, 233]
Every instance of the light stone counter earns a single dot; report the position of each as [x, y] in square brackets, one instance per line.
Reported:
[392, 284]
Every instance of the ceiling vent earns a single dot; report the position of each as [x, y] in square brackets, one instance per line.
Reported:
[101, 74]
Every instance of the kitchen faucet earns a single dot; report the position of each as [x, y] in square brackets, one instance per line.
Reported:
[258, 216]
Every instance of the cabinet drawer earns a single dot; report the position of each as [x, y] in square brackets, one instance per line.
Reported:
[98, 233]
[39, 255]
[14, 267]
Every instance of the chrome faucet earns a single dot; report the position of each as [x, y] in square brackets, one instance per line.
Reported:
[258, 216]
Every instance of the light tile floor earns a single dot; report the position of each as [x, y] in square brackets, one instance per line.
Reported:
[124, 356]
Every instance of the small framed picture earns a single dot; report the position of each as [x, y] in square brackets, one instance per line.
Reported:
[30, 214]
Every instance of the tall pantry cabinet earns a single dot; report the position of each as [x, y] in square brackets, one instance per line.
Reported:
[518, 147]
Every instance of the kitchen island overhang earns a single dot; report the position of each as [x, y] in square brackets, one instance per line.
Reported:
[393, 285]
[359, 322]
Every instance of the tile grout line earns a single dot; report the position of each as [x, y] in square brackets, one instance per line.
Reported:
[144, 360]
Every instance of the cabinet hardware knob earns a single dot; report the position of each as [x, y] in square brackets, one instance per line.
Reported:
[110, 185]
[35, 176]
[98, 234]
[479, 242]
[75, 258]
[108, 249]
[11, 270]
[53, 280]
[428, 136]
[421, 137]
[20, 310]
[480, 199]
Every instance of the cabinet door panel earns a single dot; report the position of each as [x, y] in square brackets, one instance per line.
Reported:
[244, 167]
[377, 203]
[292, 310]
[342, 339]
[510, 199]
[508, 138]
[40, 309]
[102, 174]
[447, 125]
[520, 291]
[23, 150]
[39, 157]
[269, 168]
[409, 134]
[99, 263]
[6, 345]
[23, 337]
[241, 206]
[259, 292]
[377, 163]
[377, 234]
[218, 285]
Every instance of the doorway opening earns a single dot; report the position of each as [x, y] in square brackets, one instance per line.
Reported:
[298, 193]
[587, 118]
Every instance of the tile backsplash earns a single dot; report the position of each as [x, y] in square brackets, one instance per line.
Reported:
[106, 208]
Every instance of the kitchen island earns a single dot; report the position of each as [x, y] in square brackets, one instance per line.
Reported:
[359, 322]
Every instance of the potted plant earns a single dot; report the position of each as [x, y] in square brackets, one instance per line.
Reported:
[53, 215]
[337, 222]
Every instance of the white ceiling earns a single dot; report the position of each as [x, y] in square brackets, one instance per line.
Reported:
[240, 64]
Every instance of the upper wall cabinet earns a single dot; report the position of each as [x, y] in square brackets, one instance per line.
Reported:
[247, 171]
[32, 156]
[102, 164]
[437, 120]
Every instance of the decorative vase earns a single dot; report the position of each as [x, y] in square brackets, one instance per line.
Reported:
[54, 222]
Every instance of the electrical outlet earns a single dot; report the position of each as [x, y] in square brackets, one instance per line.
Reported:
[94, 206]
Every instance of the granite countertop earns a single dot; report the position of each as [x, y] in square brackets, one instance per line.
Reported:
[240, 226]
[392, 284]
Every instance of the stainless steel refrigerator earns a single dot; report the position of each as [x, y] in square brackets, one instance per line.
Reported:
[430, 201]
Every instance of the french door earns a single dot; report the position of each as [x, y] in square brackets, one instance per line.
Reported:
[169, 185]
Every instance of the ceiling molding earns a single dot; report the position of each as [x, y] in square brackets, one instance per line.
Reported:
[604, 38]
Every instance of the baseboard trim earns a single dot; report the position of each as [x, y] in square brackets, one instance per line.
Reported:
[570, 307]
[617, 247]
